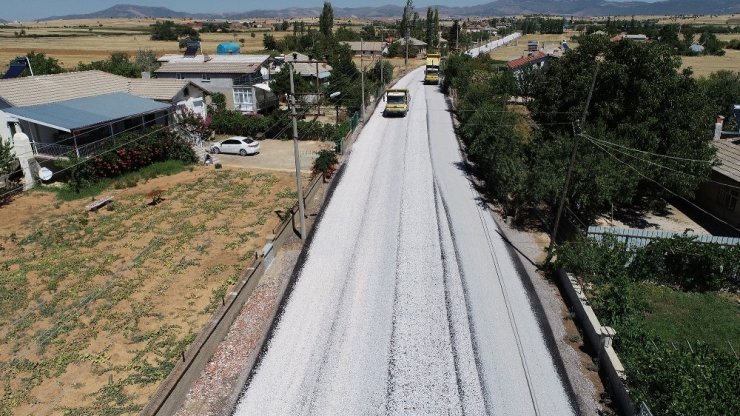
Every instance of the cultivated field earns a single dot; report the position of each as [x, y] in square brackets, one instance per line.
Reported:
[84, 41]
[96, 308]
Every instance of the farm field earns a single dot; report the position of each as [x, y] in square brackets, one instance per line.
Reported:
[517, 48]
[85, 41]
[96, 308]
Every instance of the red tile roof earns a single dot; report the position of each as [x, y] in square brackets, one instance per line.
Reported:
[526, 59]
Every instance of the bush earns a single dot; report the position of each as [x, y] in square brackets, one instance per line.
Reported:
[127, 153]
[325, 162]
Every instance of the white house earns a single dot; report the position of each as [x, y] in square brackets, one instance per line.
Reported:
[238, 77]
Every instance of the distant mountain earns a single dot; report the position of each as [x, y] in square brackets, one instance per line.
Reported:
[496, 8]
[125, 11]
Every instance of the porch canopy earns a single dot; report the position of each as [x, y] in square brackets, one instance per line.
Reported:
[86, 112]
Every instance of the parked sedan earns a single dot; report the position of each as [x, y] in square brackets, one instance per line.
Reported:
[237, 145]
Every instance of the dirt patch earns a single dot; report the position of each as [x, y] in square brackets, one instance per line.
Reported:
[96, 308]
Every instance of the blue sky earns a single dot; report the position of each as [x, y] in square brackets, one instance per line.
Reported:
[38, 9]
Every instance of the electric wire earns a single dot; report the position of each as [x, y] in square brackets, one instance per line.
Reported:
[603, 148]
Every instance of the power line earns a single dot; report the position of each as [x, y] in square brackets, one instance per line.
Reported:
[608, 143]
[663, 186]
[669, 168]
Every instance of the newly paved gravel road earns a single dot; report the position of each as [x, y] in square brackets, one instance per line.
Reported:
[409, 301]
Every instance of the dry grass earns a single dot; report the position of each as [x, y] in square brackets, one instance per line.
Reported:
[517, 48]
[86, 41]
[705, 65]
[96, 308]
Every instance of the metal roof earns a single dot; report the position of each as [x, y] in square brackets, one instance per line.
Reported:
[89, 111]
[44, 89]
[728, 152]
[209, 67]
[366, 46]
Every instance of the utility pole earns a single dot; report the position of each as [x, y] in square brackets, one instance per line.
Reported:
[457, 38]
[296, 154]
[406, 60]
[568, 174]
[362, 77]
[318, 91]
[382, 84]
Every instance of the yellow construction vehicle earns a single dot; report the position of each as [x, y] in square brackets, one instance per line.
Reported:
[396, 102]
[431, 71]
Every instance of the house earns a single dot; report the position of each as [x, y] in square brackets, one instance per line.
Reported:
[53, 116]
[25, 102]
[416, 47]
[635, 38]
[241, 78]
[366, 48]
[305, 66]
[720, 194]
[537, 59]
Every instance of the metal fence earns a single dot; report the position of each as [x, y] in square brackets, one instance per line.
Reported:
[634, 237]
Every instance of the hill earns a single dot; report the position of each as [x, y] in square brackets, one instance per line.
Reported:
[496, 8]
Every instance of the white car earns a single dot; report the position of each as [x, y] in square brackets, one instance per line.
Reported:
[237, 145]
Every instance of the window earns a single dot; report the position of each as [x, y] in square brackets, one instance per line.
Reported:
[728, 198]
[205, 77]
[243, 99]
[179, 76]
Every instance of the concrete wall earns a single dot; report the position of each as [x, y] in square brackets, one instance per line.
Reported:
[598, 338]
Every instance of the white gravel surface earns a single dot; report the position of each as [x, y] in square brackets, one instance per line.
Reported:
[408, 301]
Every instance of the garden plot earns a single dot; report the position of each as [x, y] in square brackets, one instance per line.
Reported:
[97, 307]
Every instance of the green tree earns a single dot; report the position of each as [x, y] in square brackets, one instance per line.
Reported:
[723, 90]
[118, 63]
[146, 60]
[640, 101]
[269, 42]
[326, 20]
[405, 25]
[7, 157]
[430, 29]
[280, 83]
[163, 30]
[42, 65]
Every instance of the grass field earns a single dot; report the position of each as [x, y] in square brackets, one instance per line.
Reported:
[96, 308]
[517, 48]
[713, 318]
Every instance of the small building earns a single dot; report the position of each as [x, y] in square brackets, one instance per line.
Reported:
[239, 77]
[416, 47]
[366, 48]
[720, 195]
[537, 59]
[39, 92]
[636, 38]
[696, 48]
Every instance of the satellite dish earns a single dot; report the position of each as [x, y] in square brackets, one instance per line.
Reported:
[45, 174]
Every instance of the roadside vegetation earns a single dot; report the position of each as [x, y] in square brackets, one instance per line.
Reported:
[645, 139]
[675, 308]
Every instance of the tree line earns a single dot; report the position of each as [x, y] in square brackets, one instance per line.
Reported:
[646, 135]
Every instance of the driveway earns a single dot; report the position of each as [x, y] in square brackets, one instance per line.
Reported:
[277, 155]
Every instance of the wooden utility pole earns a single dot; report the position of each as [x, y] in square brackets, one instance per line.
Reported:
[406, 60]
[296, 154]
[576, 135]
[362, 77]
